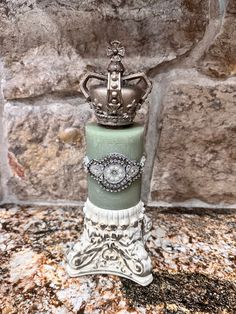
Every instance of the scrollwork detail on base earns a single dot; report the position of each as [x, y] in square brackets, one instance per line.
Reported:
[113, 242]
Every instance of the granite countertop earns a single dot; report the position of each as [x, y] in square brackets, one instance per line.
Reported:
[193, 254]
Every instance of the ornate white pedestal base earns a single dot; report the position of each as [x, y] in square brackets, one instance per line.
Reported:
[113, 242]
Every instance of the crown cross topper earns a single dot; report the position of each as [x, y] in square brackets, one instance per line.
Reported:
[115, 51]
[117, 98]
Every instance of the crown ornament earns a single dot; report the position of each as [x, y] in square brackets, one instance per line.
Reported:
[116, 98]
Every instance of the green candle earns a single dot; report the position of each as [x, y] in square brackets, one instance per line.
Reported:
[102, 141]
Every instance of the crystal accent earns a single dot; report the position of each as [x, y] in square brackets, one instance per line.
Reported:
[115, 172]
[96, 169]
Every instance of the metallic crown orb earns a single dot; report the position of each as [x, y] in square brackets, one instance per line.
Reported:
[116, 100]
[114, 172]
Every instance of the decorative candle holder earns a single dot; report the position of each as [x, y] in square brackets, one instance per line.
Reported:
[115, 225]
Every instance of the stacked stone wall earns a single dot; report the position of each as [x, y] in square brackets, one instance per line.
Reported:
[188, 48]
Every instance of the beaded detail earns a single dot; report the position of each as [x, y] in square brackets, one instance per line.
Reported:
[115, 172]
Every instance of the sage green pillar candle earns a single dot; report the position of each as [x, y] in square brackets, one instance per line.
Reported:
[101, 141]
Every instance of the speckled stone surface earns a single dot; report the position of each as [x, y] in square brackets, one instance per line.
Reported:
[193, 254]
[190, 162]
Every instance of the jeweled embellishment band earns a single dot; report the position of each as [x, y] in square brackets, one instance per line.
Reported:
[115, 172]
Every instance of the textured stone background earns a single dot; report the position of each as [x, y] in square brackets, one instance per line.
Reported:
[188, 48]
[194, 271]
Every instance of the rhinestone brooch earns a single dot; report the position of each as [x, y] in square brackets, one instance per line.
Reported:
[114, 172]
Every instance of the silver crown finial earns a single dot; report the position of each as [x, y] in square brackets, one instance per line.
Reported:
[117, 99]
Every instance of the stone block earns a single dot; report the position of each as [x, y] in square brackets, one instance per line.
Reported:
[43, 70]
[46, 149]
[220, 59]
[44, 44]
[196, 154]
[1, 194]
